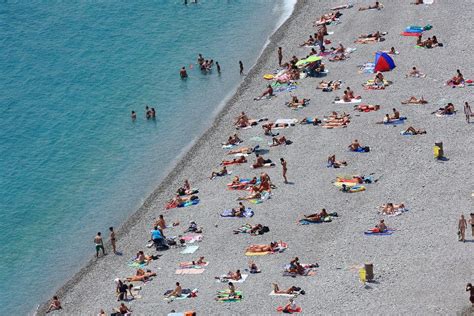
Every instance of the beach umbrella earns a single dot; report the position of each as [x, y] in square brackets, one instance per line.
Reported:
[383, 62]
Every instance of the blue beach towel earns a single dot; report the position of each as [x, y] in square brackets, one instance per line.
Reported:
[189, 203]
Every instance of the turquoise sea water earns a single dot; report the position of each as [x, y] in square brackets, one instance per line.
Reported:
[71, 161]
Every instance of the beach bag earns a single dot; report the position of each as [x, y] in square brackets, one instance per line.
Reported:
[459, 235]
[366, 149]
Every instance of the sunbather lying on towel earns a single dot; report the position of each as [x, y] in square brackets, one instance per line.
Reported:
[267, 93]
[273, 246]
[414, 100]
[412, 131]
[254, 194]
[234, 161]
[332, 162]
[260, 162]
[141, 275]
[310, 120]
[235, 276]
[224, 171]
[244, 150]
[316, 217]
[336, 122]
[199, 262]
[291, 290]
[335, 115]
[338, 57]
[230, 293]
[329, 85]
[391, 208]
[415, 73]
[366, 107]
[376, 6]
[295, 102]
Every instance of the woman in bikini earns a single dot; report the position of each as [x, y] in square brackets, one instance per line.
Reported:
[262, 248]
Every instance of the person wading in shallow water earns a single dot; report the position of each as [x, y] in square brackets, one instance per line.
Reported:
[241, 67]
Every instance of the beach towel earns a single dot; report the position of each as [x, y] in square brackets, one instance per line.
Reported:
[136, 265]
[189, 249]
[401, 120]
[174, 298]
[445, 115]
[247, 213]
[189, 203]
[326, 219]
[189, 271]
[224, 279]
[410, 34]
[192, 238]
[296, 310]
[286, 121]
[353, 101]
[272, 293]
[226, 298]
[388, 232]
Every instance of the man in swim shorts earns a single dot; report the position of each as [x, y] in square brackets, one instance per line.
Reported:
[99, 244]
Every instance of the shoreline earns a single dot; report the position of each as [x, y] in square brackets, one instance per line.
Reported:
[174, 169]
[423, 248]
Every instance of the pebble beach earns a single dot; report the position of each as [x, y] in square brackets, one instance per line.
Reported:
[421, 268]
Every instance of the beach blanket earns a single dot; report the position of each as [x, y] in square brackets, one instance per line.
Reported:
[388, 232]
[326, 219]
[272, 293]
[192, 238]
[353, 101]
[247, 213]
[281, 247]
[296, 310]
[224, 279]
[189, 271]
[189, 249]
[290, 122]
[224, 297]
[136, 265]
[439, 114]
[401, 120]
[411, 34]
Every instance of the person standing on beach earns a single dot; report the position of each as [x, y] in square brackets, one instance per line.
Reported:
[241, 67]
[471, 221]
[113, 240]
[280, 56]
[218, 67]
[462, 228]
[99, 244]
[467, 112]
[285, 169]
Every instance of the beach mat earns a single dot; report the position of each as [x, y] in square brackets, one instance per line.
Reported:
[272, 293]
[386, 233]
[297, 310]
[189, 271]
[189, 249]
[353, 101]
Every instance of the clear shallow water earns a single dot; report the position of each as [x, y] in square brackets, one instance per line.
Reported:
[71, 161]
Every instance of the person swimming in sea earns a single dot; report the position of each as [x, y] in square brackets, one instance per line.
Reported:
[182, 73]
